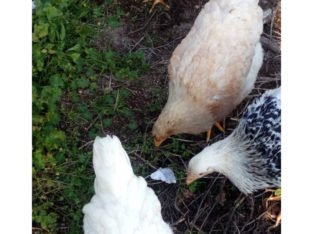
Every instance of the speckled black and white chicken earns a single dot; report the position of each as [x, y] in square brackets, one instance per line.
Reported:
[123, 203]
[250, 157]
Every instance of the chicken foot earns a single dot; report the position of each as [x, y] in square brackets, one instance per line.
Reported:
[218, 125]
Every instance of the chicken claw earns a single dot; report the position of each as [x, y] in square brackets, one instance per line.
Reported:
[208, 135]
[217, 124]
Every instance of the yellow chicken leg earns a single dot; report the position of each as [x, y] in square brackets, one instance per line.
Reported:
[208, 134]
[217, 124]
[155, 2]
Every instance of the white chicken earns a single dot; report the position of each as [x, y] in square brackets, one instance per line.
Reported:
[213, 69]
[122, 202]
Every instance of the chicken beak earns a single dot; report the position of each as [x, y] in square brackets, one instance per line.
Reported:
[190, 178]
[158, 142]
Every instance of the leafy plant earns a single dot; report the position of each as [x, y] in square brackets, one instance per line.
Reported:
[71, 106]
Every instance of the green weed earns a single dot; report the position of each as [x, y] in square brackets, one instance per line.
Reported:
[71, 107]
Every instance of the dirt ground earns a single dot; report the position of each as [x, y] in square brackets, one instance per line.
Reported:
[216, 206]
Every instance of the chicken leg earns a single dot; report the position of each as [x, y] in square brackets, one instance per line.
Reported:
[208, 135]
[155, 2]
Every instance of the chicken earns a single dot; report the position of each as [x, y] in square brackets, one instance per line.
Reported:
[250, 157]
[213, 69]
[122, 202]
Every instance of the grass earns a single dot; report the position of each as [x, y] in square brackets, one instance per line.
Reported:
[71, 106]
[101, 69]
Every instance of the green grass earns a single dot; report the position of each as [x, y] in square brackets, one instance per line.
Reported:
[71, 107]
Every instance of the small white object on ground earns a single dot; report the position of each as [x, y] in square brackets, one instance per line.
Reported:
[164, 174]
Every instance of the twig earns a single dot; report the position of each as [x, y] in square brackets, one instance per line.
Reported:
[177, 208]
[178, 221]
[93, 122]
[145, 161]
[270, 45]
[175, 155]
[137, 43]
[40, 229]
[237, 204]
[220, 218]
[198, 211]
[205, 219]
[183, 140]
[260, 216]
[145, 25]
[236, 227]
[86, 144]
[168, 43]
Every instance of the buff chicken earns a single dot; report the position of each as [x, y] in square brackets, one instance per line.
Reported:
[213, 69]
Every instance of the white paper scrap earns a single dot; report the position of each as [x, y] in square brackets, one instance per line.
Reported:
[164, 174]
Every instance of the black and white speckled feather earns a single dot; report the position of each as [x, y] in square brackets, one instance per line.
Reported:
[260, 128]
[250, 156]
